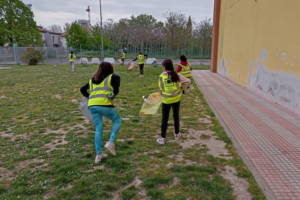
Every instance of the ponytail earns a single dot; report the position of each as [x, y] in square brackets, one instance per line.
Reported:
[71, 54]
[168, 64]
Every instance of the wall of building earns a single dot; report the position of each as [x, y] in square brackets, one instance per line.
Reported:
[259, 48]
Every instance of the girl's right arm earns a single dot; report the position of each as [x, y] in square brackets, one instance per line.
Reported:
[84, 89]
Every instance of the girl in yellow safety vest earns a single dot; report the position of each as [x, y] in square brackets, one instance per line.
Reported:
[170, 85]
[141, 59]
[72, 58]
[104, 86]
[184, 68]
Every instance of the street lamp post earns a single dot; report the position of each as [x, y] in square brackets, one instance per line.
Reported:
[102, 52]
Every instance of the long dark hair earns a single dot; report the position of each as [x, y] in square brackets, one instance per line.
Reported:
[105, 69]
[140, 53]
[71, 54]
[183, 58]
[168, 64]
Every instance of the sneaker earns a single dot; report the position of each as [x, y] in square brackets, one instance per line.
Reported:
[141, 75]
[161, 141]
[177, 136]
[100, 157]
[110, 146]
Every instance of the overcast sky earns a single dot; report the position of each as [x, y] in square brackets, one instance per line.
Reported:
[48, 12]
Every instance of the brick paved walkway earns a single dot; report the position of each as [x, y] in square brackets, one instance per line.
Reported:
[266, 132]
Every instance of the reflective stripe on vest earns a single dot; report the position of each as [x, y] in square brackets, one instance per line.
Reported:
[71, 59]
[171, 92]
[99, 92]
[123, 55]
[141, 59]
[186, 70]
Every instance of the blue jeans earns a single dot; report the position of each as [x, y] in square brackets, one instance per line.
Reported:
[97, 113]
[123, 59]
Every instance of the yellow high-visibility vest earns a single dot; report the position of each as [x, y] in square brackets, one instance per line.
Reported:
[99, 92]
[141, 59]
[71, 59]
[123, 55]
[186, 70]
[171, 91]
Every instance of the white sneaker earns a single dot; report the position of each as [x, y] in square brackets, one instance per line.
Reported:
[141, 75]
[99, 157]
[177, 136]
[110, 146]
[161, 141]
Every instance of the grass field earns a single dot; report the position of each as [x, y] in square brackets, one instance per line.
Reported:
[47, 147]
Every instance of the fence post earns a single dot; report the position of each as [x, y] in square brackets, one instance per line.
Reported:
[15, 46]
[56, 55]
[4, 55]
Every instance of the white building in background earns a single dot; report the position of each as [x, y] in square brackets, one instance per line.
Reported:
[52, 39]
[84, 23]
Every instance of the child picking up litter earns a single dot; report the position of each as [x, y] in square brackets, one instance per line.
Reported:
[170, 85]
[104, 87]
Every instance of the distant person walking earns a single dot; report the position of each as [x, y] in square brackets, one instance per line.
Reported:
[104, 87]
[123, 56]
[184, 68]
[72, 58]
[141, 60]
[170, 85]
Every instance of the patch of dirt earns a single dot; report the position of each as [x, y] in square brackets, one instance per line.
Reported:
[179, 158]
[25, 163]
[6, 174]
[2, 97]
[49, 194]
[216, 147]
[123, 140]
[94, 168]
[176, 181]
[58, 96]
[136, 182]
[74, 101]
[68, 187]
[197, 100]
[239, 185]
[204, 120]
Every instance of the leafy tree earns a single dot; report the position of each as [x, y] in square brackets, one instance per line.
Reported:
[76, 36]
[17, 24]
[96, 34]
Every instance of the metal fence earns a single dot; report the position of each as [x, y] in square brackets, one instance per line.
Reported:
[7, 55]
[59, 55]
[53, 55]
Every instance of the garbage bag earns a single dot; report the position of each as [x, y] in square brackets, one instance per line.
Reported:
[84, 108]
[151, 104]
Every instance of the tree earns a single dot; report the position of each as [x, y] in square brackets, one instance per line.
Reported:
[76, 36]
[56, 28]
[66, 26]
[17, 24]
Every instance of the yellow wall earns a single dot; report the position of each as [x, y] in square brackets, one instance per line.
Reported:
[250, 27]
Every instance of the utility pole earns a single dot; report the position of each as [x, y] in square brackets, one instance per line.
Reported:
[102, 52]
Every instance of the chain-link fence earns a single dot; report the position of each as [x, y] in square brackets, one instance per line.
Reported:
[132, 52]
[53, 55]
[7, 55]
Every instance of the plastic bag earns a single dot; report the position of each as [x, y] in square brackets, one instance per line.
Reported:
[84, 108]
[151, 104]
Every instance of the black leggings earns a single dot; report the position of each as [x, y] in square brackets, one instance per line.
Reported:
[165, 117]
[141, 69]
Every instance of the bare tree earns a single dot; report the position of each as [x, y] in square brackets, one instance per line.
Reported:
[56, 28]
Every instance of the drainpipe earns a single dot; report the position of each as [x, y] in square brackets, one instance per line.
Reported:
[215, 38]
